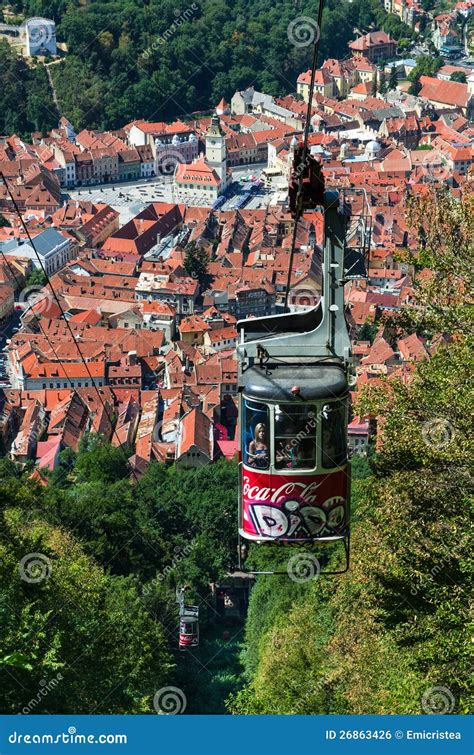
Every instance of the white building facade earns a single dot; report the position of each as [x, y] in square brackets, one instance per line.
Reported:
[40, 36]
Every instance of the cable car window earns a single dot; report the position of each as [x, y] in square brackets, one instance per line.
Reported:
[295, 436]
[333, 432]
[255, 434]
[187, 629]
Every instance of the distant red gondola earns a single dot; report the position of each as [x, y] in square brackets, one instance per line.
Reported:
[189, 627]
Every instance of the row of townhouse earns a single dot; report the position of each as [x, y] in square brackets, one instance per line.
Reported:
[172, 426]
[95, 159]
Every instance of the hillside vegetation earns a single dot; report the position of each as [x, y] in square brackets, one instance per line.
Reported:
[88, 571]
[163, 59]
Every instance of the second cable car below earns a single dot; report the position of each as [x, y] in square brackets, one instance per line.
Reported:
[189, 627]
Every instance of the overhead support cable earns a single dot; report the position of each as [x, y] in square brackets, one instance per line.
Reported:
[299, 195]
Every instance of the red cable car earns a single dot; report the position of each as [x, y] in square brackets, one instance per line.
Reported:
[294, 377]
[189, 627]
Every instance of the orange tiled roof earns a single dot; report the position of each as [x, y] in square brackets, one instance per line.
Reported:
[446, 92]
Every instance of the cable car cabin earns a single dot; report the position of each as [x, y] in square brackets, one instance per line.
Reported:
[188, 632]
[295, 476]
[189, 628]
[295, 370]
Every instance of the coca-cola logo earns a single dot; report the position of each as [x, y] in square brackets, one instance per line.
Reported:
[254, 492]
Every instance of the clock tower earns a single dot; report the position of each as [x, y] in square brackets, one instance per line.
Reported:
[216, 154]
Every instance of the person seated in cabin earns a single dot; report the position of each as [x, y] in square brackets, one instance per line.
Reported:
[257, 454]
[288, 455]
[293, 451]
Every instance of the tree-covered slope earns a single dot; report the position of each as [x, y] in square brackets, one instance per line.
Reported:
[89, 567]
[26, 102]
[161, 59]
[83, 634]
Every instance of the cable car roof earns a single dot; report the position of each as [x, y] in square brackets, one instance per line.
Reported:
[275, 382]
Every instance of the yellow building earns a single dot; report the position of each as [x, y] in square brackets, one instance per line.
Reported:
[323, 84]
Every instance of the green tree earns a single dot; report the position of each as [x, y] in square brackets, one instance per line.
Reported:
[426, 65]
[393, 80]
[196, 261]
[65, 621]
[367, 331]
[403, 44]
[25, 97]
[36, 278]
[98, 461]
[458, 76]
[445, 228]
[382, 83]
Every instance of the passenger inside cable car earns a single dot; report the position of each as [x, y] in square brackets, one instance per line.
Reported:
[256, 435]
[257, 455]
[295, 437]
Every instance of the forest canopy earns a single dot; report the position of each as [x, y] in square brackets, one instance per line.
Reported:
[89, 566]
[165, 59]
